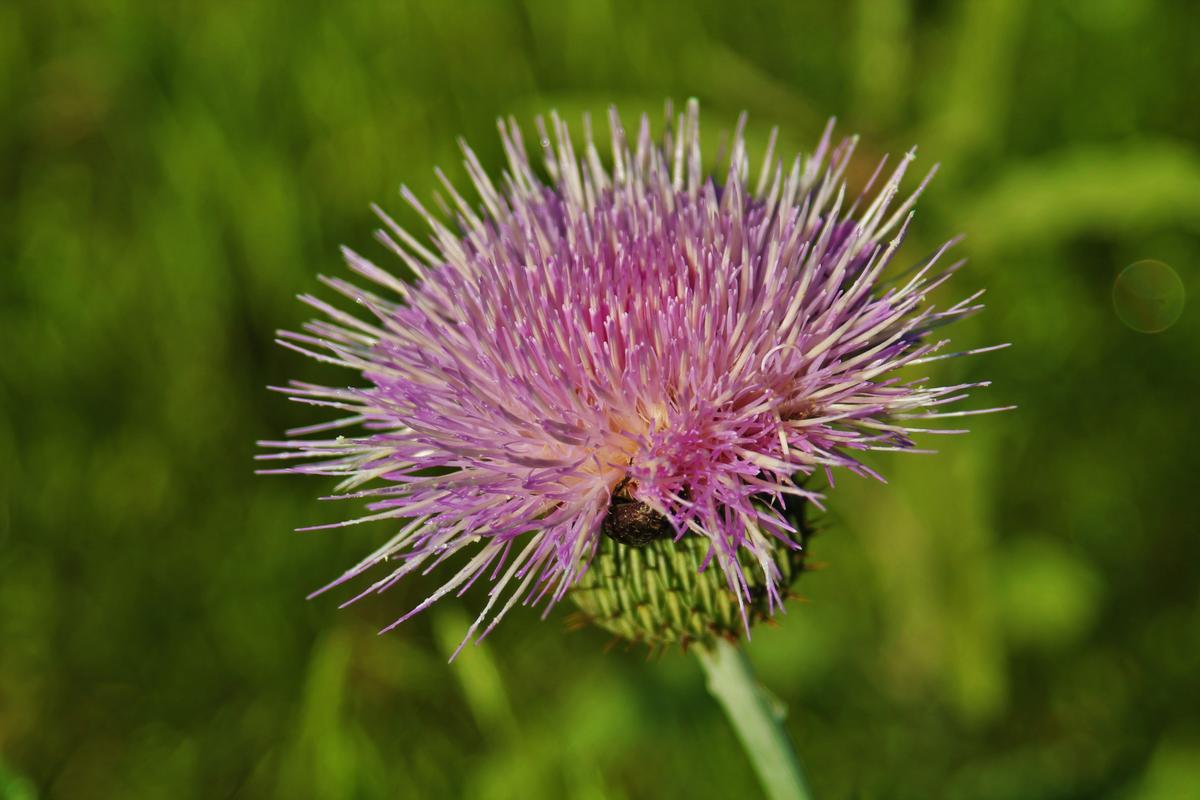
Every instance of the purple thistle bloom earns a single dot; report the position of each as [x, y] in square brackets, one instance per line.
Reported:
[637, 334]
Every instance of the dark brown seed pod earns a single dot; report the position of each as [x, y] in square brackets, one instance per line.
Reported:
[633, 523]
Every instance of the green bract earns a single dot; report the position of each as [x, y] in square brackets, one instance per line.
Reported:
[657, 594]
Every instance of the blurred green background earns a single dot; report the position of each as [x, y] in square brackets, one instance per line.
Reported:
[1018, 617]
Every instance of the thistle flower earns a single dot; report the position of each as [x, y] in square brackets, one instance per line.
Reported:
[637, 355]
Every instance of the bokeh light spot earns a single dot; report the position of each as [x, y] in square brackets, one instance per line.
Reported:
[1148, 296]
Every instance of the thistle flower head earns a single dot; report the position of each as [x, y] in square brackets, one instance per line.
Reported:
[626, 352]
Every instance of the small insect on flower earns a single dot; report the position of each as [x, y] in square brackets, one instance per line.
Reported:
[615, 378]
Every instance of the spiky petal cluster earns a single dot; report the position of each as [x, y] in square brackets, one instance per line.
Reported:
[703, 344]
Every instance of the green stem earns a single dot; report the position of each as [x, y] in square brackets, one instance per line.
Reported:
[757, 718]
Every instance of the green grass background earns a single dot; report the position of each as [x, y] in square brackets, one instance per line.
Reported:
[1017, 617]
